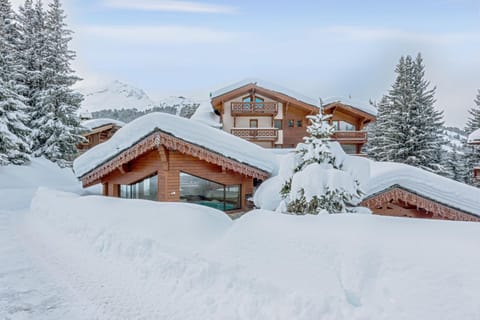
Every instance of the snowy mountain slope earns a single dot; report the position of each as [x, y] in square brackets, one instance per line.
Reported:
[118, 95]
[114, 95]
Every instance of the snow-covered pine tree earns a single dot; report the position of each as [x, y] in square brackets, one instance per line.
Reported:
[455, 165]
[57, 127]
[13, 133]
[376, 147]
[317, 184]
[408, 125]
[473, 122]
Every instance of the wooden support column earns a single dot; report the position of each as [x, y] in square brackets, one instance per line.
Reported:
[105, 188]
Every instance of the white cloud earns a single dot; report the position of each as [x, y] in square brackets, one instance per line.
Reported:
[170, 5]
[159, 34]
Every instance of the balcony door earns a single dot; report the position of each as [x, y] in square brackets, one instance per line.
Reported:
[247, 102]
[253, 123]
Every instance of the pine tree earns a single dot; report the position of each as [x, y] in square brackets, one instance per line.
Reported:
[456, 165]
[473, 122]
[318, 185]
[54, 103]
[13, 132]
[408, 128]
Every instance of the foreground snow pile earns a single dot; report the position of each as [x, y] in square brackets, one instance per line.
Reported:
[140, 259]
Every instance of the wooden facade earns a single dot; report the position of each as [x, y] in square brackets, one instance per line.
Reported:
[166, 157]
[273, 119]
[97, 136]
[400, 202]
[349, 125]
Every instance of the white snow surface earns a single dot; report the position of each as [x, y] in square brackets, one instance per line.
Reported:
[191, 131]
[266, 85]
[138, 259]
[474, 137]
[362, 106]
[206, 115]
[100, 122]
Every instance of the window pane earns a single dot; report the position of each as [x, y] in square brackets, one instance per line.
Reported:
[349, 148]
[278, 124]
[144, 189]
[233, 197]
[299, 123]
[345, 126]
[291, 123]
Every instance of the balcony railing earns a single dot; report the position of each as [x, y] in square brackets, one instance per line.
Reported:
[268, 134]
[254, 108]
[350, 136]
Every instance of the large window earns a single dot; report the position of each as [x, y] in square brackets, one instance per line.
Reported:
[349, 148]
[144, 189]
[343, 126]
[208, 193]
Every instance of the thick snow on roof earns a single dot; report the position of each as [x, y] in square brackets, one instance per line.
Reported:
[97, 123]
[362, 106]
[206, 115]
[193, 132]
[266, 85]
[446, 191]
[474, 137]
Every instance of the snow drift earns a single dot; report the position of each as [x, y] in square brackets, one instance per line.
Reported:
[140, 259]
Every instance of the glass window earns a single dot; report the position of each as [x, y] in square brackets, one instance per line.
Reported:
[144, 189]
[291, 123]
[299, 123]
[208, 193]
[253, 123]
[349, 148]
[278, 124]
[343, 126]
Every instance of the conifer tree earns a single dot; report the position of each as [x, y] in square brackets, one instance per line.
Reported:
[318, 185]
[408, 128]
[54, 103]
[13, 132]
[473, 122]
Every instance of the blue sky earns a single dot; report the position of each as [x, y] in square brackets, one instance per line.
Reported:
[319, 48]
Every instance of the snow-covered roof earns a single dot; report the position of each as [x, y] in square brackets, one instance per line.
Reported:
[266, 85]
[190, 131]
[206, 115]
[384, 175]
[359, 105]
[97, 123]
[474, 137]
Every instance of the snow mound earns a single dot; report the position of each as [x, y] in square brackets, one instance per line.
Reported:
[266, 85]
[96, 123]
[206, 115]
[474, 137]
[191, 131]
[140, 259]
[362, 106]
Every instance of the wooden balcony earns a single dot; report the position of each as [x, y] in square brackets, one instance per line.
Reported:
[263, 134]
[355, 137]
[254, 108]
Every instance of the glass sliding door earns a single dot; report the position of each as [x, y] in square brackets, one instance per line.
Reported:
[144, 189]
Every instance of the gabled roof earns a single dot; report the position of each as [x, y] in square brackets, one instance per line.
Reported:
[474, 137]
[153, 129]
[93, 124]
[450, 193]
[357, 105]
[268, 86]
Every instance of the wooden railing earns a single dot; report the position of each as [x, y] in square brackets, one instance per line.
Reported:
[269, 134]
[254, 108]
[353, 136]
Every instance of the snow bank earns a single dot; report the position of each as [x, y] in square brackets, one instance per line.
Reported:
[19, 183]
[447, 191]
[474, 137]
[140, 259]
[266, 85]
[362, 106]
[96, 123]
[191, 131]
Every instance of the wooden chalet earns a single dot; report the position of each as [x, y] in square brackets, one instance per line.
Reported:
[98, 131]
[349, 120]
[167, 158]
[275, 117]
